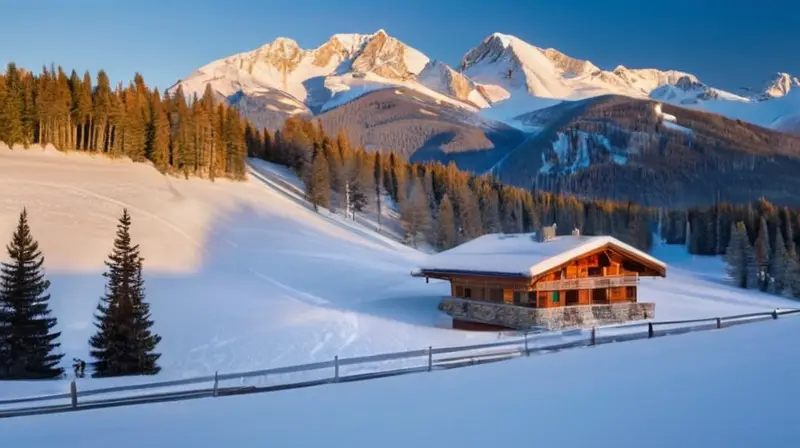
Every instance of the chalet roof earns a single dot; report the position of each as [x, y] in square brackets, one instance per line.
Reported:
[521, 254]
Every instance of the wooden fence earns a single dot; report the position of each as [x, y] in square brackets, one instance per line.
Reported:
[428, 359]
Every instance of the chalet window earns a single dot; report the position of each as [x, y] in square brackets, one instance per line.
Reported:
[595, 272]
[571, 297]
[532, 299]
[630, 292]
[556, 298]
[468, 293]
[599, 296]
[496, 294]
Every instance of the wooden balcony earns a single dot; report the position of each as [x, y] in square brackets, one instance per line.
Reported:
[614, 281]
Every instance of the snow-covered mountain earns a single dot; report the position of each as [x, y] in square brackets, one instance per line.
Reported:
[341, 69]
[780, 85]
[530, 78]
[501, 78]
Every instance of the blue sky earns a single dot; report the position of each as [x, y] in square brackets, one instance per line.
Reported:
[727, 44]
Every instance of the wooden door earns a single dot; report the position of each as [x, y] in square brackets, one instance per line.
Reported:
[508, 295]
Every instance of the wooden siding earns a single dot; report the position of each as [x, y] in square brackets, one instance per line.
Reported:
[619, 269]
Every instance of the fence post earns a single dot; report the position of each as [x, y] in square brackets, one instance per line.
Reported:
[336, 369]
[216, 383]
[430, 358]
[594, 336]
[775, 314]
[719, 323]
[649, 329]
[527, 352]
[73, 394]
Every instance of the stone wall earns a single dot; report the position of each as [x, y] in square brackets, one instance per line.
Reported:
[520, 317]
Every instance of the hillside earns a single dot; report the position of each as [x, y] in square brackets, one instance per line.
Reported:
[227, 267]
[421, 128]
[698, 389]
[641, 150]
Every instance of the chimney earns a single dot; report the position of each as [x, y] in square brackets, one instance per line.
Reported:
[548, 232]
[576, 232]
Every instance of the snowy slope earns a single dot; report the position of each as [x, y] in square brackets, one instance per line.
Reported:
[726, 388]
[240, 275]
[244, 276]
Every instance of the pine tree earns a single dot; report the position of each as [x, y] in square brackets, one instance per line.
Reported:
[414, 213]
[779, 266]
[160, 134]
[762, 255]
[791, 287]
[27, 344]
[739, 257]
[360, 182]
[378, 180]
[446, 225]
[468, 212]
[318, 183]
[11, 108]
[124, 344]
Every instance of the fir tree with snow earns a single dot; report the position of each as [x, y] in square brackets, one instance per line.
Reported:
[28, 343]
[124, 343]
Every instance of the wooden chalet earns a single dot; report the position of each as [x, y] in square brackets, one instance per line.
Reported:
[523, 270]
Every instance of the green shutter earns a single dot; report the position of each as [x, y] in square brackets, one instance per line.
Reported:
[555, 297]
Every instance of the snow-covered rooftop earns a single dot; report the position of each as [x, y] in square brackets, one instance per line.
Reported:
[522, 254]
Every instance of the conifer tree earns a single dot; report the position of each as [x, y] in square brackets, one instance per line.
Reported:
[318, 183]
[469, 215]
[360, 181]
[791, 287]
[779, 266]
[762, 255]
[739, 257]
[160, 134]
[414, 212]
[124, 343]
[446, 225]
[377, 175]
[27, 342]
[11, 108]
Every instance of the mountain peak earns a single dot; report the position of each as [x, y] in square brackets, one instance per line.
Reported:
[779, 85]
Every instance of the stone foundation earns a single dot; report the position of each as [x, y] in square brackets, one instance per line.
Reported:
[520, 317]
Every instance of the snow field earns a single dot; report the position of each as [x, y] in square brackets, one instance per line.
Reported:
[720, 388]
[243, 276]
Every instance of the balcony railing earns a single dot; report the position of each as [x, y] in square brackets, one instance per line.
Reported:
[589, 283]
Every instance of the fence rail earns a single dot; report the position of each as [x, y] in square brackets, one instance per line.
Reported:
[426, 360]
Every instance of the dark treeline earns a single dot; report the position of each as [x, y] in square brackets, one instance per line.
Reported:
[438, 204]
[709, 228]
[758, 241]
[187, 136]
